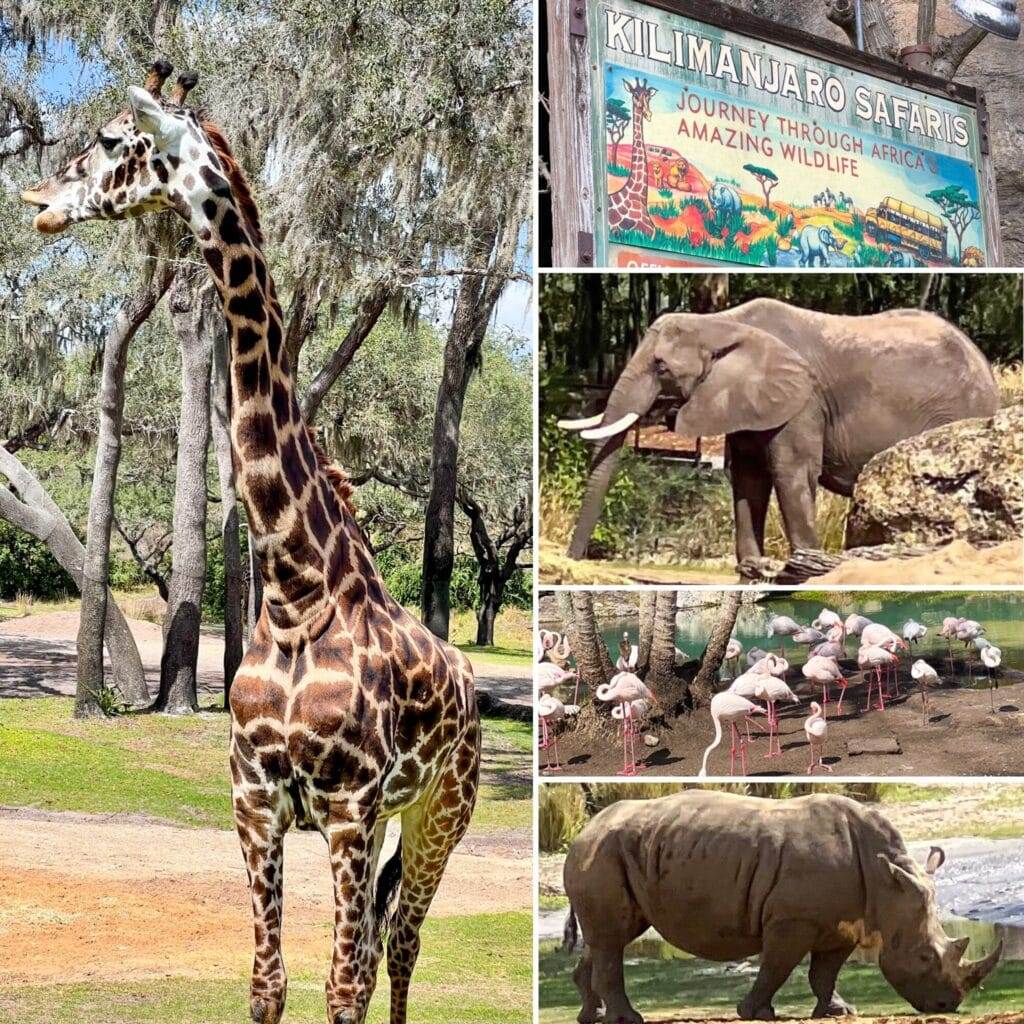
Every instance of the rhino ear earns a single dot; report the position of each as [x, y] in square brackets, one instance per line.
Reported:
[936, 858]
[904, 880]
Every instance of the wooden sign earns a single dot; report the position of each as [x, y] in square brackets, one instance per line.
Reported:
[714, 137]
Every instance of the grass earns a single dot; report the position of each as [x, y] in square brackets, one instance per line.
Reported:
[472, 970]
[667, 985]
[175, 769]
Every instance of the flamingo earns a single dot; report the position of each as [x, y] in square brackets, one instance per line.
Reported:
[629, 654]
[731, 708]
[782, 626]
[950, 624]
[733, 650]
[824, 670]
[770, 665]
[746, 686]
[770, 689]
[559, 650]
[877, 635]
[551, 709]
[548, 677]
[992, 656]
[828, 619]
[874, 657]
[816, 731]
[927, 677]
[913, 632]
[625, 688]
[808, 636]
[631, 714]
[855, 624]
[754, 655]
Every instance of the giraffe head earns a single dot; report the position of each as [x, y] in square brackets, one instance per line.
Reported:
[641, 93]
[153, 156]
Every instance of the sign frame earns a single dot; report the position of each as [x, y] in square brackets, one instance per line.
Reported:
[570, 73]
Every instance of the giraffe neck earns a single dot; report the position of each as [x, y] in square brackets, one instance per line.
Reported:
[638, 161]
[303, 533]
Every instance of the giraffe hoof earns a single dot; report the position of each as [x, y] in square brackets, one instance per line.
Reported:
[266, 1011]
[344, 1017]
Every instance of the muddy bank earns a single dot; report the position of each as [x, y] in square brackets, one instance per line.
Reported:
[961, 736]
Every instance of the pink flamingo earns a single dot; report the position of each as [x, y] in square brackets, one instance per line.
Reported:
[770, 689]
[829, 621]
[992, 656]
[874, 657]
[547, 677]
[550, 709]
[733, 650]
[950, 625]
[834, 645]
[630, 714]
[816, 731]
[782, 626]
[855, 624]
[926, 676]
[770, 665]
[731, 708]
[877, 635]
[746, 686]
[820, 669]
[625, 688]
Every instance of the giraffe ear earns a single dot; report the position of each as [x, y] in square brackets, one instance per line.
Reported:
[152, 119]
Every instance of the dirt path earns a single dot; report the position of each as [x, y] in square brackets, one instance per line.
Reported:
[86, 897]
[961, 737]
[37, 659]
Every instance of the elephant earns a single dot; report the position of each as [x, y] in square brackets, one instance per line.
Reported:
[815, 243]
[724, 200]
[725, 877]
[803, 398]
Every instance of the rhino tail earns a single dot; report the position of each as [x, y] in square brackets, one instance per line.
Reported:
[571, 931]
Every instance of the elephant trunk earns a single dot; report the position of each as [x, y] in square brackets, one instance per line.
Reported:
[602, 469]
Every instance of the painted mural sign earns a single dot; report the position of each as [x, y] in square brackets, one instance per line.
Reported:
[714, 147]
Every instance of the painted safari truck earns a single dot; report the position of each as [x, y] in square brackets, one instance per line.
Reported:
[726, 877]
[896, 223]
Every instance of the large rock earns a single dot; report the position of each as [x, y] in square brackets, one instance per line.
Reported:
[961, 481]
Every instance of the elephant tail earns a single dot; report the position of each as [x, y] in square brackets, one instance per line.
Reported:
[571, 931]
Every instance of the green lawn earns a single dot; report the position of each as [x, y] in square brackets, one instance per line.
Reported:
[665, 986]
[176, 768]
[472, 970]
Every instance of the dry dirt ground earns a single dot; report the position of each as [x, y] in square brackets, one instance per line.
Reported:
[917, 1018]
[37, 659]
[959, 563]
[79, 902]
[961, 737]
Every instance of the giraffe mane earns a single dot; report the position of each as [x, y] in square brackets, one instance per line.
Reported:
[237, 179]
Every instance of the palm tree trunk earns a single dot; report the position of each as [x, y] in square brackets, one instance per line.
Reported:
[592, 660]
[703, 686]
[648, 602]
[661, 675]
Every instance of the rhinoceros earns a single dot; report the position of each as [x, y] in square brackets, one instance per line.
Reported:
[725, 877]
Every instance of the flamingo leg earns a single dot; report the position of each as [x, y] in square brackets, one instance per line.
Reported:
[881, 699]
[576, 691]
[743, 756]
[543, 734]
[869, 677]
[991, 691]
[732, 748]
[842, 694]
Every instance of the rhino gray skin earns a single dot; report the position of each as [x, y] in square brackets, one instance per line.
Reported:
[726, 877]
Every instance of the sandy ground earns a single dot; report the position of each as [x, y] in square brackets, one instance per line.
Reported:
[114, 897]
[37, 659]
[957, 564]
[961, 737]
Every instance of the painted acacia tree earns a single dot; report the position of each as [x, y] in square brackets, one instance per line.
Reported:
[767, 179]
[959, 209]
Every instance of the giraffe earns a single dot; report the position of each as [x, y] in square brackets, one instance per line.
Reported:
[627, 208]
[345, 711]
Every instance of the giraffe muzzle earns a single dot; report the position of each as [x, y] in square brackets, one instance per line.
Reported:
[48, 221]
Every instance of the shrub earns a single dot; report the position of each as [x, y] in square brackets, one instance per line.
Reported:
[28, 567]
[785, 225]
[560, 816]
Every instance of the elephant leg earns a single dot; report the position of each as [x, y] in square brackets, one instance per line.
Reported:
[751, 492]
[610, 985]
[822, 976]
[591, 1009]
[785, 945]
[795, 457]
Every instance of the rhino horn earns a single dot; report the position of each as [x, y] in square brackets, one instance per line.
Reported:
[974, 972]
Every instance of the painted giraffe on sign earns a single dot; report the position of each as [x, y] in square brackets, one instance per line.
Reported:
[345, 710]
[627, 208]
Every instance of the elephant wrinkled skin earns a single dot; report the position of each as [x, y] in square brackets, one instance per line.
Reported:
[804, 398]
[726, 877]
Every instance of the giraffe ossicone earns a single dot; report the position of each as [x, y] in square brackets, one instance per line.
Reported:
[346, 711]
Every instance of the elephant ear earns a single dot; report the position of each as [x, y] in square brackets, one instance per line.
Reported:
[751, 381]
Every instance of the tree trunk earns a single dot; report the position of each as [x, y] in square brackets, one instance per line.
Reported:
[661, 674]
[593, 664]
[703, 686]
[234, 577]
[38, 514]
[490, 603]
[648, 601]
[96, 565]
[178, 690]
[368, 313]
[254, 600]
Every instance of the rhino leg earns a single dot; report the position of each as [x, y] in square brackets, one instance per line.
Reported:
[784, 945]
[592, 1011]
[823, 973]
[606, 972]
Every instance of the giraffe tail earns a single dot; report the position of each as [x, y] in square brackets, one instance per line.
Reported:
[388, 882]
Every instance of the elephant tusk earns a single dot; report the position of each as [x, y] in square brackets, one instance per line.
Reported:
[599, 433]
[590, 421]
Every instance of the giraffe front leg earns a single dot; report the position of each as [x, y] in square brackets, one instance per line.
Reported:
[355, 835]
[430, 831]
[261, 819]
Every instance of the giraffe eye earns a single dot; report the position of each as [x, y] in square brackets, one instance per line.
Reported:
[108, 142]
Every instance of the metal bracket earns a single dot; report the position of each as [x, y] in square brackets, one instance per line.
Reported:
[578, 19]
[983, 125]
[585, 248]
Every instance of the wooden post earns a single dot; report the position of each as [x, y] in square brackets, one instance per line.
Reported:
[572, 185]
[993, 232]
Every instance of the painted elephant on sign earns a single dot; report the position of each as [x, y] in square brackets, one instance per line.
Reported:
[725, 201]
[804, 398]
[725, 877]
[815, 245]
[899, 258]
